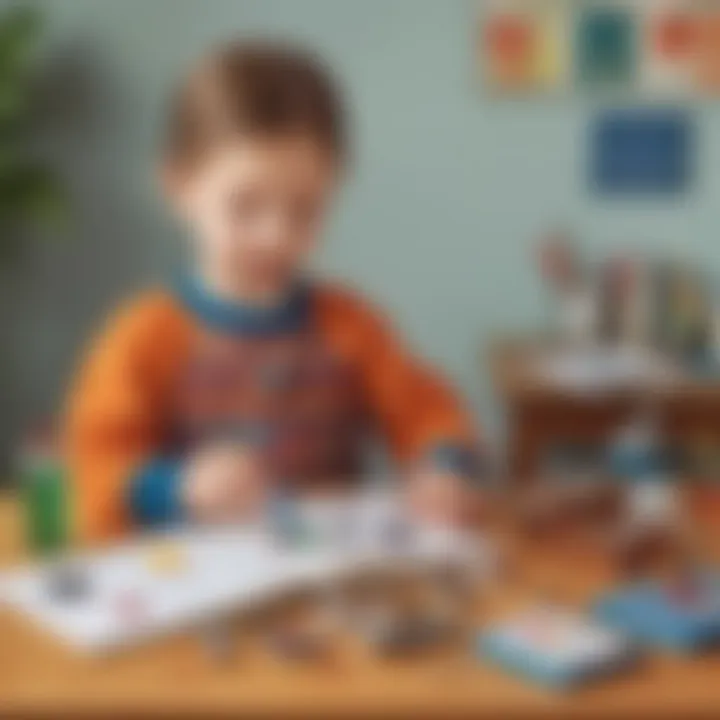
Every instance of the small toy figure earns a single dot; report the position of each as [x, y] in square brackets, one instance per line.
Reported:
[560, 267]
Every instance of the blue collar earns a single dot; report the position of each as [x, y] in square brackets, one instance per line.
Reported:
[290, 315]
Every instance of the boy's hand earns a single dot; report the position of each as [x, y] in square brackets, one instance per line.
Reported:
[442, 497]
[223, 482]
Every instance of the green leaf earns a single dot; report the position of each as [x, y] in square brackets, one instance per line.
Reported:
[31, 195]
[13, 103]
[19, 31]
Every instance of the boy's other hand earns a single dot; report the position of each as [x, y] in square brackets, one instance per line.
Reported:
[443, 498]
[223, 482]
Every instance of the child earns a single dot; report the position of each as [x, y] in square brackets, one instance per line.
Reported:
[198, 398]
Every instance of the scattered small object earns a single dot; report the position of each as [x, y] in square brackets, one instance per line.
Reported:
[131, 607]
[452, 589]
[68, 583]
[411, 636]
[392, 633]
[299, 644]
[346, 531]
[167, 558]
[218, 642]
[555, 647]
[288, 525]
[397, 534]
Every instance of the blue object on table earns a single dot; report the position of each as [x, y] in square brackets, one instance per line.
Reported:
[545, 669]
[642, 151]
[649, 613]
[287, 522]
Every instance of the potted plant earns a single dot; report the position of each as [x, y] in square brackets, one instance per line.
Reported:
[30, 194]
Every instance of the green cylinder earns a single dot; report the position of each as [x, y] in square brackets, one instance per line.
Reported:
[45, 501]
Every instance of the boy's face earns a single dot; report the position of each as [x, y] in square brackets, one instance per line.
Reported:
[256, 207]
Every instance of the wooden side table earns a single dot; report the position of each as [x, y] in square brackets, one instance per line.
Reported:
[540, 414]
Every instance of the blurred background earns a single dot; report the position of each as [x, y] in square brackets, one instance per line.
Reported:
[451, 186]
[533, 199]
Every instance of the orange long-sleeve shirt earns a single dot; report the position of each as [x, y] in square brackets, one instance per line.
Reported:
[172, 368]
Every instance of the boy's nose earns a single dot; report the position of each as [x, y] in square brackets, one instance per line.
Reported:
[275, 231]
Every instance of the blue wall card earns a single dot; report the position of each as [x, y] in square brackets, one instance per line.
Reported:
[642, 151]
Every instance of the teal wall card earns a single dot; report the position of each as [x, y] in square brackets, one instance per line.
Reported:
[606, 46]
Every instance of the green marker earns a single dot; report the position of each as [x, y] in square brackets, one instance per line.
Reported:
[44, 493]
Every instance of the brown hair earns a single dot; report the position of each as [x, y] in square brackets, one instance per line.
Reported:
[254, 88]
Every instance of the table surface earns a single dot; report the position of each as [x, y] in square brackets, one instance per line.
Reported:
[174, 676]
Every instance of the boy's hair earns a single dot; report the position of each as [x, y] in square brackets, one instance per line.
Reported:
[255, 88]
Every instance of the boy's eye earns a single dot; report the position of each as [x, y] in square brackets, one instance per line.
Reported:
[248, 206]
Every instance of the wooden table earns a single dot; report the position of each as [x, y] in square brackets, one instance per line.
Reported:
[174, 678]
[541, 415]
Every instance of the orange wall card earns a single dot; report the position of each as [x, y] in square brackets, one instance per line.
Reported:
[509, 49]
[524, 45]
[708, 61]
[670, 46]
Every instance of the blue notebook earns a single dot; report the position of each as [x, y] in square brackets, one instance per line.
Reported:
[683, 615]
[555, 647]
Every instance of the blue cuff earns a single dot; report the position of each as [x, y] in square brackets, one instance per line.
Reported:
[457, 459]
[154, 496]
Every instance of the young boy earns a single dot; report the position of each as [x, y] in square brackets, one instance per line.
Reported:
[199, 398]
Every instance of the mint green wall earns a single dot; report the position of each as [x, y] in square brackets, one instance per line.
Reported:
[449, 190]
